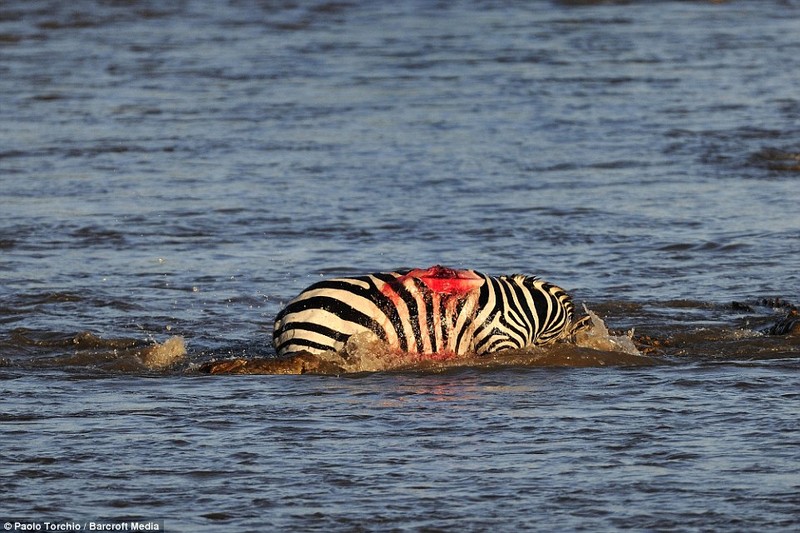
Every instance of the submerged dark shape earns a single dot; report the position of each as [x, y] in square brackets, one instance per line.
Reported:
[788, 325]
[762, 328]
[777, 159]
[301, 363]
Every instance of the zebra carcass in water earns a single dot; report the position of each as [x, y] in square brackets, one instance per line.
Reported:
[432, 311]
[437, 312]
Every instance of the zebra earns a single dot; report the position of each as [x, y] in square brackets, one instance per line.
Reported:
[437, 310]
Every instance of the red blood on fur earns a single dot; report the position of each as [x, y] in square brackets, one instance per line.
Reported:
[446, 280]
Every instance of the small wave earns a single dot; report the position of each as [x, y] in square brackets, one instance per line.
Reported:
[85, 349]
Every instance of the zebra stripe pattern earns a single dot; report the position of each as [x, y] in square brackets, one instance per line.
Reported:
[438, 310]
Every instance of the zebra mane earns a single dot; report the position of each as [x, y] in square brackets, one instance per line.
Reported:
[522, 277]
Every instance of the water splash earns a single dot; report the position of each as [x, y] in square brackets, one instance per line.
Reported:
[164, 355]
[597, 337]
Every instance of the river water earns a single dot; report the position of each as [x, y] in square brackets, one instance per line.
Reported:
[172, 173]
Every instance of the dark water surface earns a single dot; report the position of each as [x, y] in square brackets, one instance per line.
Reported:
[183, 169]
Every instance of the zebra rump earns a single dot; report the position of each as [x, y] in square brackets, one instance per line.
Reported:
[437, 310]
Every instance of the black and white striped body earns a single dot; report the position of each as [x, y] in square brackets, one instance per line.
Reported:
[433, 311]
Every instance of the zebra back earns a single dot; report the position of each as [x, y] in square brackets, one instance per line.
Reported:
[402, 310]
[426, 312]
